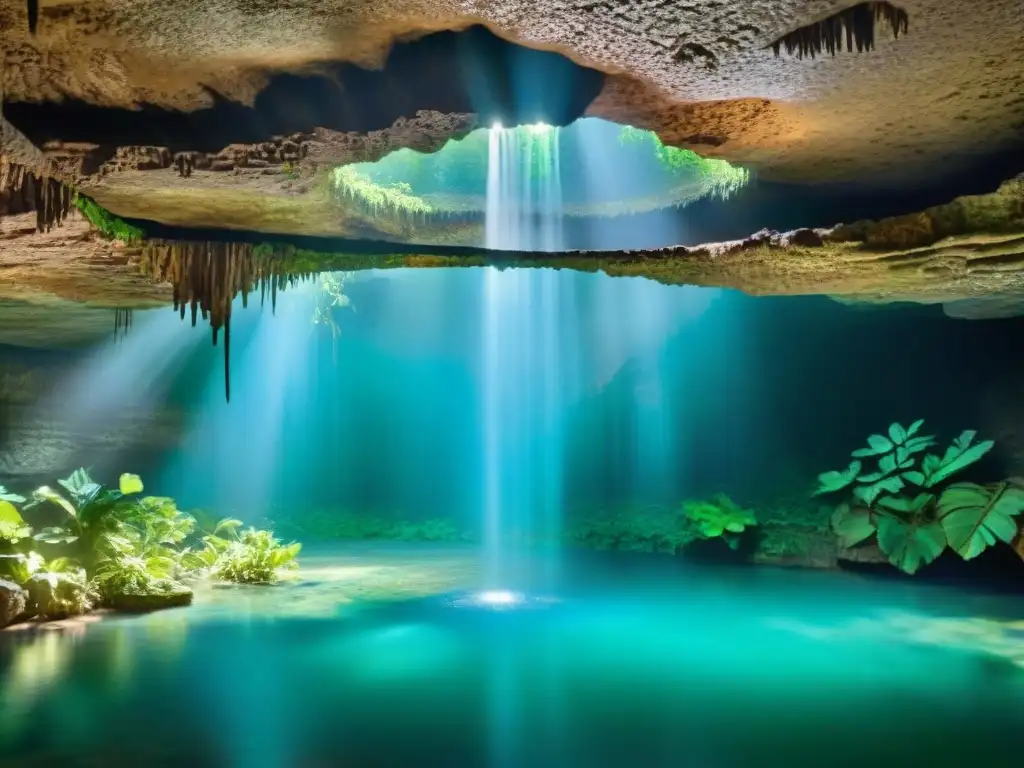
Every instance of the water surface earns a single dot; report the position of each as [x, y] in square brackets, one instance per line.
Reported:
[377, 659]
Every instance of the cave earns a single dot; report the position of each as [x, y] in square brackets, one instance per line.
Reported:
[519, 384]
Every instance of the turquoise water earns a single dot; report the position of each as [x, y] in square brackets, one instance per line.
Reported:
[379, 658]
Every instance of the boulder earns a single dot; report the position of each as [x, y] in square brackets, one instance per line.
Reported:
[162, 593]
[13, 601]
[54, 596]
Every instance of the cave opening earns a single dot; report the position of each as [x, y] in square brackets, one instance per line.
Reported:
[536, 187]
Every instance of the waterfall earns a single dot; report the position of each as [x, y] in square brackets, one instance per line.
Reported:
[524, 189]
[523, 378]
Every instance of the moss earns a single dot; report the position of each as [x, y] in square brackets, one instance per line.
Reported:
[160, 593]
[715, 178]
[395, 200]
[108, 225]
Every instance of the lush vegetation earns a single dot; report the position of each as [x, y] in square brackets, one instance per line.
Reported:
[108, 225]
[906, 504]
[663, 529]
[247, 557]
[454, 178]
[85, 545]
[394, 200]
[721, 178]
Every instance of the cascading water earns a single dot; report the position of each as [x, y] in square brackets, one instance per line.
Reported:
[524, 189]
[525, 378]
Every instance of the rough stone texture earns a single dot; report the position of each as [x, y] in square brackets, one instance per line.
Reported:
[13, 600]
[70, 262]
[697, 72]
[980, 255]
[41, 439]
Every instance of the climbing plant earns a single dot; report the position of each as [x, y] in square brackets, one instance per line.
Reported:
[904, 504]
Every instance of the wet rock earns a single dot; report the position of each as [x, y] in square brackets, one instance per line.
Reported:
[13, 602]
[866, 553]
[163, 593]
[901, 232]
[53, 596]
[806, 238]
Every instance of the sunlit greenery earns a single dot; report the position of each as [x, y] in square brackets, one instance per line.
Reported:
[247, 556]
[906, 506]
[86, 545]
[723, 178]
[604, 169]
[394, 199]
[109, 225]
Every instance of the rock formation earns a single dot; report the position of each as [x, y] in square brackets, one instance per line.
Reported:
[135, 98]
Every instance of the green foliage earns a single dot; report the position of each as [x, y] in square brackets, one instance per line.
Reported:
[91, 512]
[144, 554]
[134, 548]
[13, 528]
[108, 225]
[249, 557]
[913, 530]
[718, 517]
[723, 179]
[974, 517]
[396, 201]
[830, 482]
[662, 529]
[910, 542]
[634, 529]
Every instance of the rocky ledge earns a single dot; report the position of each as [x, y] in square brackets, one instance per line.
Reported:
[967, 254]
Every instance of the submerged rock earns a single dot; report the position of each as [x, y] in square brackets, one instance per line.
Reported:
[13, 601]
[162, 593]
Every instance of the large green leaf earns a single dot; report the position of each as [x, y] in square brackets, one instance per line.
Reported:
[9, 513]
[830, 482]
[81, 487]
[877, 444]
[46, 493]
[897, 433]
[906, 504]
[130, 484]
[975, 517]
[962, 453]
[852, 524]
[909, 545]
[867, 494]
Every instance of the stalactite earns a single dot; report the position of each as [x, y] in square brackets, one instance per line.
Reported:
[33, 16]
[27, 190]
[205, 278]
[855, 25]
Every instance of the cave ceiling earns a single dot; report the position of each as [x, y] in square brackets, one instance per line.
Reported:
[225, 114]
[701, 74]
